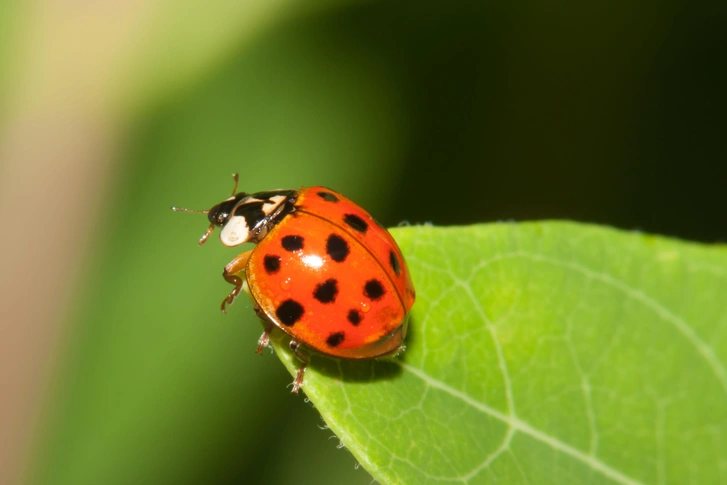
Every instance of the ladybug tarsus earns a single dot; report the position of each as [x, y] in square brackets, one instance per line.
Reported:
[305, 360]
[227, 301]
[230, 298]
[264, 340]
[299, 379]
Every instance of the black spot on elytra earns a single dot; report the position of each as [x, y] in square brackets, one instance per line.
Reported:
[271, 263]
[355, 222]
[327, 196]
[337, 248]
[335, 339]
[292, 243]
[394, 262]
[373, 289]
[289, 312]
[326, 292]
[354, 317]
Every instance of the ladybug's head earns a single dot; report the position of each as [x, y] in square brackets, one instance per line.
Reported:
[246, 217]
[219, 214]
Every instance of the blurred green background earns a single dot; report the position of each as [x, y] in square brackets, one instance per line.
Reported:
[451, 113]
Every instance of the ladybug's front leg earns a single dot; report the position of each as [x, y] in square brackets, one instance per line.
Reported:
[233, 274]
[304, 358]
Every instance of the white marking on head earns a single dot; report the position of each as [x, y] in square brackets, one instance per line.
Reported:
[235, 232]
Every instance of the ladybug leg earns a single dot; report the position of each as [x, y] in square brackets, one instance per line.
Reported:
[305, 360]
[264, 340]
[233, 274]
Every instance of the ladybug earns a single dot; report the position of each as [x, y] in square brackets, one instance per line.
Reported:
[323, 271]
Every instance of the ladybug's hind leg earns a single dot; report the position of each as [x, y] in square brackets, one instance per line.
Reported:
[233, 274]
[303, 356]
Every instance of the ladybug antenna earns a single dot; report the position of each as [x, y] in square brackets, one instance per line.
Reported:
[236, 178]
[192, 211]
[209, 230]
[182, 209]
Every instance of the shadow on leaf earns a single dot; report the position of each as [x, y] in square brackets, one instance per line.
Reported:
[365, 371]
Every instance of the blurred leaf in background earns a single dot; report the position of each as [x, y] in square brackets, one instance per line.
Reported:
[603, 112]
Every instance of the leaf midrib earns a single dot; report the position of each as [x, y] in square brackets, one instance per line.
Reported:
[518, 424]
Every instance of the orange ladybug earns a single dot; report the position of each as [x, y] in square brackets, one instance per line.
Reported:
[323, 271]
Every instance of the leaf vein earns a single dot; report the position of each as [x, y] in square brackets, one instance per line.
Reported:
[518, 425]
[717, 366]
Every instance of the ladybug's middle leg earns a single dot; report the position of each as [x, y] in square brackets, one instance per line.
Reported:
[233, 274]
[264, 339]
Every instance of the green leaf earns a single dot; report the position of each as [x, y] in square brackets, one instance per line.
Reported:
[543, 353]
